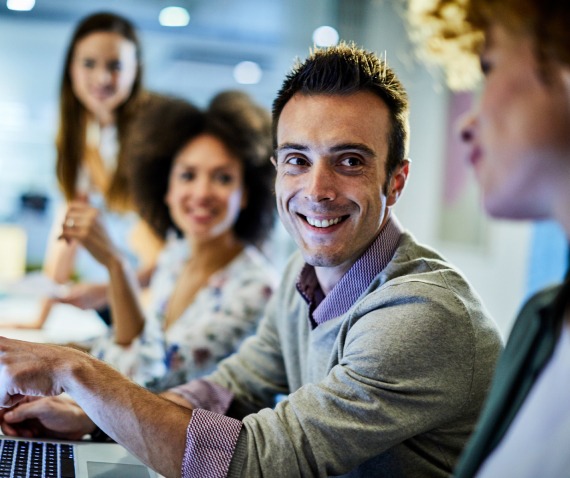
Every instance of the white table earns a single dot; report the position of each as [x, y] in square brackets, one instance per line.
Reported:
[65, 323]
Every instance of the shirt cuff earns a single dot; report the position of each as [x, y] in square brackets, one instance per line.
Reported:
[206, 395]
[210, 443]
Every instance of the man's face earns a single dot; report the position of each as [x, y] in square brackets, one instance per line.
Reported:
[331, 158]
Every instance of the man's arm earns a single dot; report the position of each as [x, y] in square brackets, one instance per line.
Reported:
[40, 417]
[151, 427]
[406, 368]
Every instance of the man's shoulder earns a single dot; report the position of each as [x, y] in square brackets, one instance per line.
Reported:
[424, 283]
[415, 262]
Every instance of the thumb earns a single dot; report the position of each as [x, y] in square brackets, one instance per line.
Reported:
[22, 412]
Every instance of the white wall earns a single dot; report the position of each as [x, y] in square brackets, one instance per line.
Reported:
[497, 270]
[29, 77]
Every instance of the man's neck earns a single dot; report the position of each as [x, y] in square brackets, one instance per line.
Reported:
[328, 277]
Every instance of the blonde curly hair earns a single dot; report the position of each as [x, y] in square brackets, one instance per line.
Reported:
[451, 33]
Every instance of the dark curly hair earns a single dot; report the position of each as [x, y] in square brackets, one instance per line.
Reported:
[167, 124]
[343, 70]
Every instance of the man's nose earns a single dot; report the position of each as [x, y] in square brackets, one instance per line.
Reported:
[320, 183]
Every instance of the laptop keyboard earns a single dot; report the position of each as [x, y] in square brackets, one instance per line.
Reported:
[31, 459]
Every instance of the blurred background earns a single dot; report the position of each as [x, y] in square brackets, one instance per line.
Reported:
[212, 45]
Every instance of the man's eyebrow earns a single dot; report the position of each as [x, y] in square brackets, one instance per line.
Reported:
[337, 148]
[360, 147]
[295, 146]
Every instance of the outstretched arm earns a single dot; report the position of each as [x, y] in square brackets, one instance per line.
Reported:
[58, 265]
[151, 427]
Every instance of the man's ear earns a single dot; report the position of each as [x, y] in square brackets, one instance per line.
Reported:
[397, 182]
[273, 161]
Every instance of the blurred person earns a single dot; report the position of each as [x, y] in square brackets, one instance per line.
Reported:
[383, 350]
[194, 176]
[101, 93]
[518, 137]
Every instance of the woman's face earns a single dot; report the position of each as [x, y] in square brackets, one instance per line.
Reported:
[519, 137]
[206, 190]
[103, 70]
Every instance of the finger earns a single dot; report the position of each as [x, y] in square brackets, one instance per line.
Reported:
[9, 430]
[26, 410]
[11, 400]
[63, 237]
[14, 416]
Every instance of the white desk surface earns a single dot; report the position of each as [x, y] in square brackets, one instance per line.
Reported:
[65, 323]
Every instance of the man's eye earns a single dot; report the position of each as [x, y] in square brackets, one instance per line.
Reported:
[296, 161]
[351, 161]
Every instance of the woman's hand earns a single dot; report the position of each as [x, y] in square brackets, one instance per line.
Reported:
[83, 223]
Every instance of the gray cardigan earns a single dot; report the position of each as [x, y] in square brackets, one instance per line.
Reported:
[391, 388]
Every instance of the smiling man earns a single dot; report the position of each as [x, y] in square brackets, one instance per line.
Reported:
[382, 349]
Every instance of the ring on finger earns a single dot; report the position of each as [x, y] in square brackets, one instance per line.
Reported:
[69, 223]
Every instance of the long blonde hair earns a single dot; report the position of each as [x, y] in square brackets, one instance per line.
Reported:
[71, 136]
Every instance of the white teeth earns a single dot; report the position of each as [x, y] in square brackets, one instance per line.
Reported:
[323, 223]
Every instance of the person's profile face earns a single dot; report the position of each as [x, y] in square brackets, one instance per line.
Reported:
[103, 70]
[331, 160]
[206, 189]
[518, 137]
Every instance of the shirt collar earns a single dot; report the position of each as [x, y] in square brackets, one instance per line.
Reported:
[354, 282]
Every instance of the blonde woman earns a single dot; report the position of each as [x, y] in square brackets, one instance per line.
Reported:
[519, 148]
[101, 93]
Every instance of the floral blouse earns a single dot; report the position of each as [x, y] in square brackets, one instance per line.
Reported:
[222, 315]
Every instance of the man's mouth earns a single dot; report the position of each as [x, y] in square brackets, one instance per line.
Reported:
[323, 223]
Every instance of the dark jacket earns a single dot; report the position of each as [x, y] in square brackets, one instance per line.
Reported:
[529, 348]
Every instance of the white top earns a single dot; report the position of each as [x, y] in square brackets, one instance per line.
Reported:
[537, 442]
[222, 314]
[119, 225]
[106, 141]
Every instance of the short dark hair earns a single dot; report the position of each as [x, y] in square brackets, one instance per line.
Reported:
[166, 124]
[343, 70]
